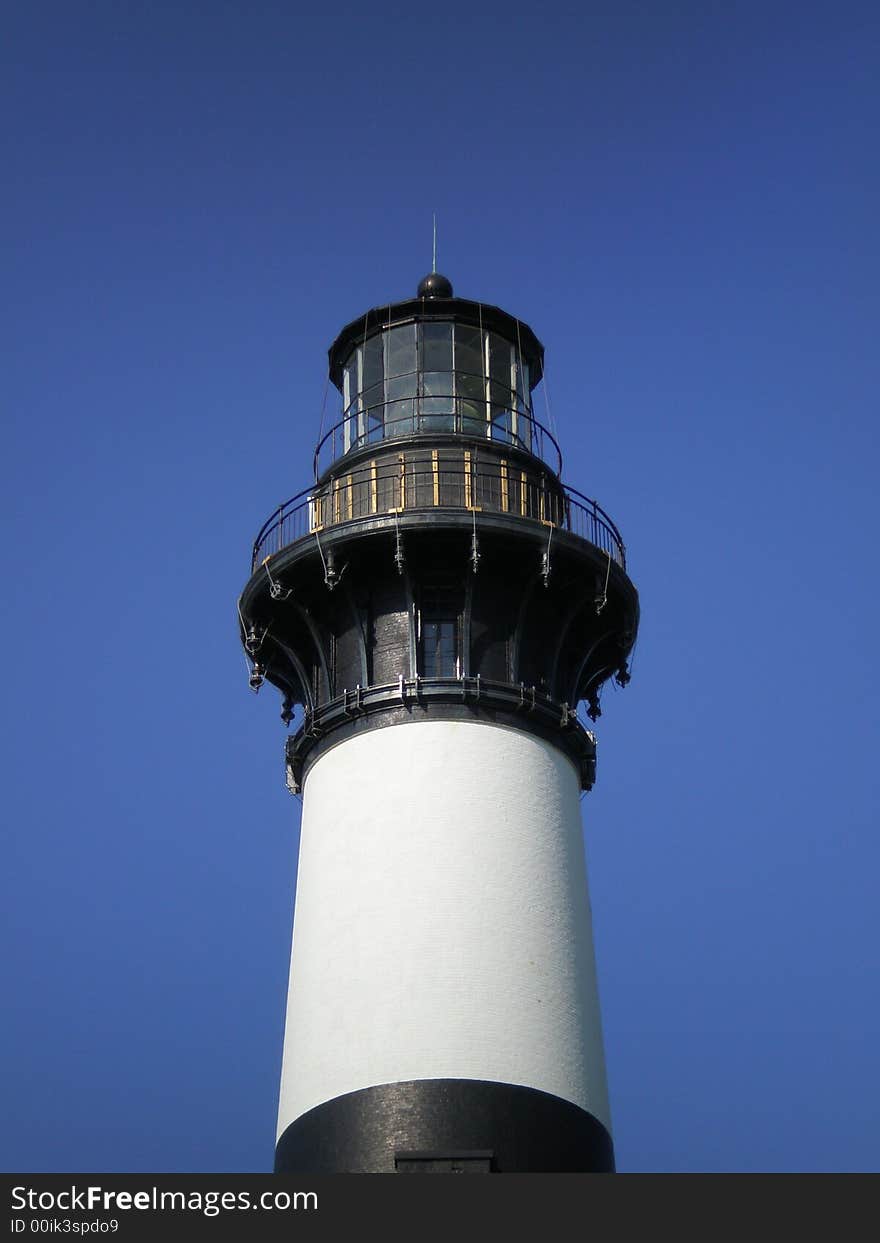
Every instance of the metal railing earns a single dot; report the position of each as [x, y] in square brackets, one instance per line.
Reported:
[425, 692]
[415, 416]
[438, 479]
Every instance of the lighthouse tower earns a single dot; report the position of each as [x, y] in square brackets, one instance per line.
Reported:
[439, 603]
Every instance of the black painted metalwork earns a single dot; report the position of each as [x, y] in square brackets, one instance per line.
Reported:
[440, 698]
[517, 1130]
[480, 315]
[517, 429]
[462, 479]
[435, 286]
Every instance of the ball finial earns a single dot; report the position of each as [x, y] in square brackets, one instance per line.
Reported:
[435, 286]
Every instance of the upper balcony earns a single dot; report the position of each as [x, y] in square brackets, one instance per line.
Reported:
[443, 417]
[442, 482]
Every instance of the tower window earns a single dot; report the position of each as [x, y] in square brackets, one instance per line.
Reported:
[438, 638]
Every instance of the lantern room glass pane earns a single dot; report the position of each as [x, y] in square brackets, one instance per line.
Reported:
[524, 404]
[373, 371]
[351, 390]
[522, 386]
[468, 350]
[437, 384]
[473, 418]
[499, 399]
[399, 419]
[399, 394]
[500, 363]
[471, 386]
[436, 347]
[437, 413]
[436, 416]
[400, 386]
[400, 350]
[437, 404]
[373, 406]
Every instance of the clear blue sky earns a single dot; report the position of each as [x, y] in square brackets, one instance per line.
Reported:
[682, 200]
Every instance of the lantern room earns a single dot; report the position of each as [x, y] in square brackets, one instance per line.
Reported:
[435, 366]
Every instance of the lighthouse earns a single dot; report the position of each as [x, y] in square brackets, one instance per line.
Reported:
[433, 609]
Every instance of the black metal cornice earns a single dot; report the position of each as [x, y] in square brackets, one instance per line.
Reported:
[422, 699]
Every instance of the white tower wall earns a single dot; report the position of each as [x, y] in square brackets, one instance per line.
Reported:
[442, 926]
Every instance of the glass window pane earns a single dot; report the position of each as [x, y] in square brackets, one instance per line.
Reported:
[439, 654]
[399, 418]
[436, 415]
[468, 350]
[372, 369]
[502, 418]
[472, 386]
[500, 358]
[473, 418]
[400, 350]
[399, 413]
[521, 390]
[372, 400]
[436, 347]
[437, 384]
[400, 386]
[499, 399]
